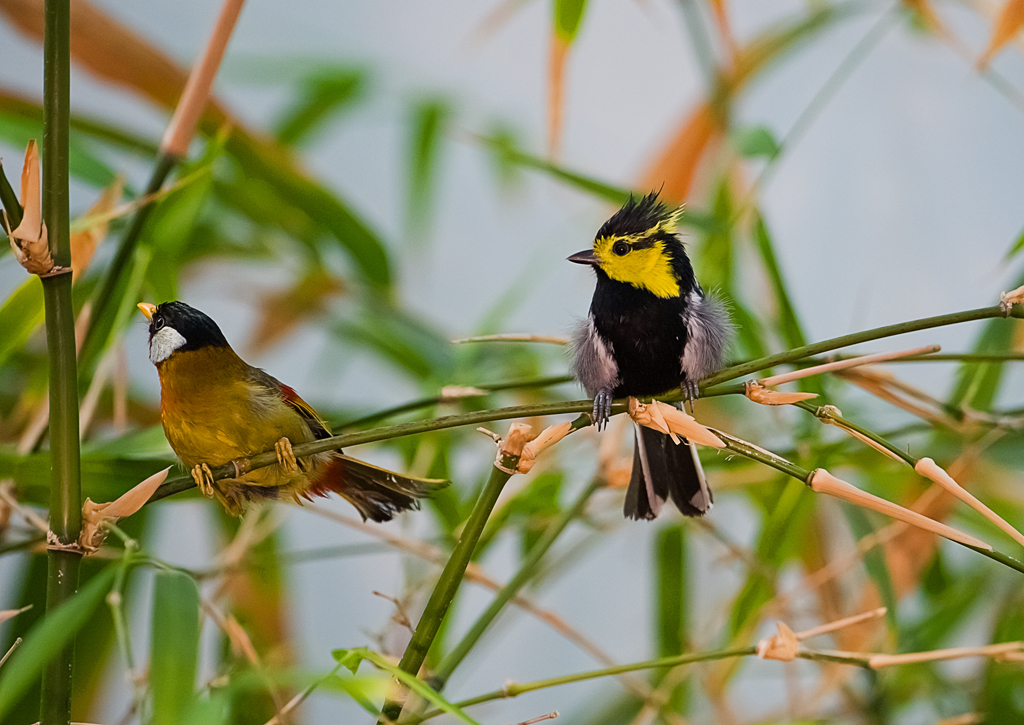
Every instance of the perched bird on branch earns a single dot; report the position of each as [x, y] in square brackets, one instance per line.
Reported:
[650, 329]
[216, 409]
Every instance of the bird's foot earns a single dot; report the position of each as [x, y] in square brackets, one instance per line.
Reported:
[691, 391]
[285, 456]
[203, 477]
[602, 408]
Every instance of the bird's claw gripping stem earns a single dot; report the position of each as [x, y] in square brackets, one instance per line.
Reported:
[285, 456]
[203, 477]
[691, 391]
[602, 408]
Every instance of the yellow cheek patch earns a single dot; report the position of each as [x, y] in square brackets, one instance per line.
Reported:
[648, 268]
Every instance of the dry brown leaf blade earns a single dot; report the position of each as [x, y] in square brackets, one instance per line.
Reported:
[932, 471]
[675, 168]
[824, 482]
[29, 240]
[1007, 25]
[671, 421]
[556, 92]
[85, 242]
[547, 438]
[6, 614]
[94, 515]
[762, 395]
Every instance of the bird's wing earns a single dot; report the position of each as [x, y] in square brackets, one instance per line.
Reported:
[593, 359]
[317, 424]
[708, 332]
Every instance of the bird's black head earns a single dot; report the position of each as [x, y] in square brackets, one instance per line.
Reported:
[177, 327]
[639, 245]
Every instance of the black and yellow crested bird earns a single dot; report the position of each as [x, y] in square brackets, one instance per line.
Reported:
[216, 409]
[650, 329]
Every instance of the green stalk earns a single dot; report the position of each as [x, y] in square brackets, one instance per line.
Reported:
[65, 478]
[116, 277]
[511, 589]
[184, 483]
[841, 422]
[450, 579]
[439, 399]
[856, 338]
[514, 690]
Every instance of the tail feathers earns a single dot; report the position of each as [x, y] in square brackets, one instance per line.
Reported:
[377, 493]
[663, 470]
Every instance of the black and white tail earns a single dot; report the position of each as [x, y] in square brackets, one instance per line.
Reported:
[662, 470]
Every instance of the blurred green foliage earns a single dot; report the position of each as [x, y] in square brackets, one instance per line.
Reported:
[246, 200]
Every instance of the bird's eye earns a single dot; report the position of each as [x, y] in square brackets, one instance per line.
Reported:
[621, 249]
[158, 323]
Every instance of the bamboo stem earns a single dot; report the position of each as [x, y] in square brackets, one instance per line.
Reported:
[856, 338]
[173, 148]
[514, 690]
[451, 577]
[65, 480]
[511, 589]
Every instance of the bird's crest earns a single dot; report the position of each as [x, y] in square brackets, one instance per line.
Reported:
[639, 245]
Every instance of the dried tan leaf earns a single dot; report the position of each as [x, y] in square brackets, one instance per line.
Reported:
[547, 438]
[991, 650]
[824, 482]
[675, 168]
[280, 313]
[843, 623]
[84, 243]
[451, 393]
[782, 646]
[720, 13]
[1007, 25]
[6, 614]
[852, 362]
[759, 394]
[29, 241]
[115, 53]
[556, 92]
[670, 420]
[1008, 299]
[95, 514]
[196, 95]
[931, 470]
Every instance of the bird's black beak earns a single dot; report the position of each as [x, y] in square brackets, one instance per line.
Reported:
[585, 257]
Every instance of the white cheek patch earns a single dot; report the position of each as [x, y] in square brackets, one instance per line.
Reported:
[163, 343]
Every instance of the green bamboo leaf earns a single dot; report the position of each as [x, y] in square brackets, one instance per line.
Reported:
[104, 477]
[568, 16]
[351, 658]
[83, 162]
[430, 120]
[508, 154]
[15, 109]
[48, 638]
[755, 142]
[1017, 247]
[325, 95]
[399, 337]
[671, 602]
[1002, 695]
[789, 323]
[20, 315]
[174, 652]
[670, 583]
[298, 189]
